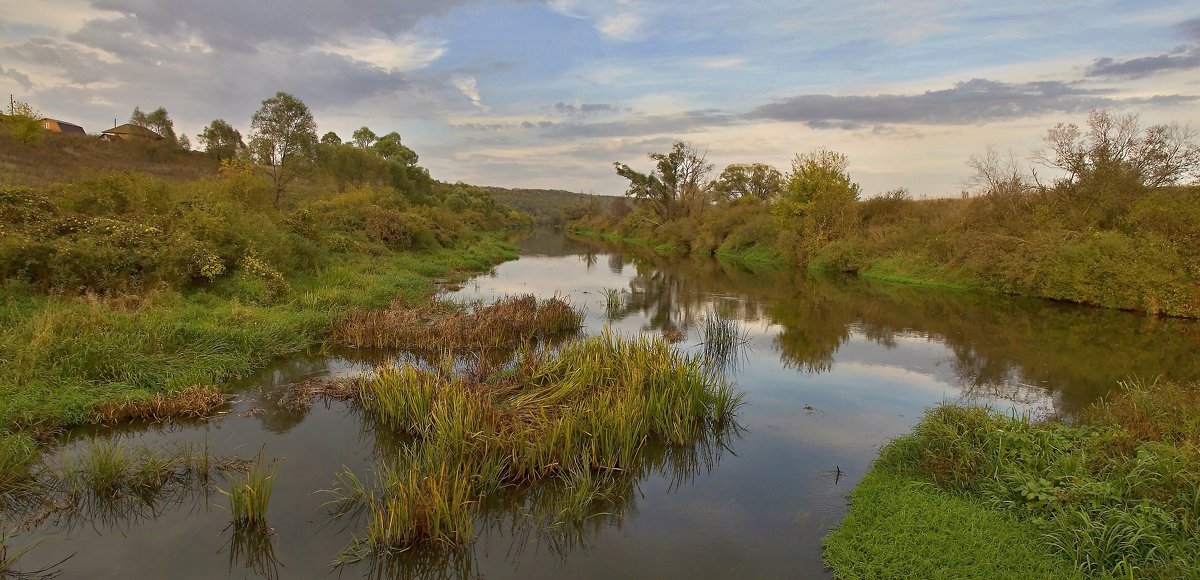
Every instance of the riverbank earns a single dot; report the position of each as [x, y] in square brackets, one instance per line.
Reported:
[72, 360]
[970, 494]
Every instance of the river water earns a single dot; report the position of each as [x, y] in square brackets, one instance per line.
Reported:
[832, 367]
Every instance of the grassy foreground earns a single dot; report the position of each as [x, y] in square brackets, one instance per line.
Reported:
[974, 495]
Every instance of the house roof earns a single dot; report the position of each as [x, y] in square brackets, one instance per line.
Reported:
[133, 130]
[66, 127]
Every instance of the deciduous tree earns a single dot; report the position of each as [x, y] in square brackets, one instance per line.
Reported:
[221, 140]
[158, 121]
[678, 176]
[283, 138]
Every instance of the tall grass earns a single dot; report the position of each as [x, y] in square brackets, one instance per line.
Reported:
[582, 413]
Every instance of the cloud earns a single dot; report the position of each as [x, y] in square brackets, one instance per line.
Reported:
[22, 79]
[245, 26]
[971, 102]
[624, 27]
[1190, 28]
[401, 54]
[585, 109]
[466, 85]
[1136, 68]
[681, 123]
[721, 62]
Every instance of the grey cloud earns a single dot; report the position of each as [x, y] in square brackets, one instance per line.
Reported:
[1181, 58]
[1190, 28]
[639, 125]
[1134, 68]
[585, 108]
[974, 101]
[18, 76]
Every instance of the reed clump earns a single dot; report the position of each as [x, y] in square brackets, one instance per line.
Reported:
[582, 413]
[506, 323]
[190, 403]
[250, 493]
[723, 340]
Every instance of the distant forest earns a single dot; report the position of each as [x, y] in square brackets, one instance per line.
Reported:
[556, 207]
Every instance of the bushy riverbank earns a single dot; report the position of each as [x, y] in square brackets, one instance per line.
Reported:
[974, 494]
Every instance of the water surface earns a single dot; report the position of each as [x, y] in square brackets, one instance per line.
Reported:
[833, 367]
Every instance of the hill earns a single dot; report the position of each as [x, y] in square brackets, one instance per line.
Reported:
[552, 206]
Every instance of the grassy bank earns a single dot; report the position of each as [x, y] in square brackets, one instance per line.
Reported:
[974, 494]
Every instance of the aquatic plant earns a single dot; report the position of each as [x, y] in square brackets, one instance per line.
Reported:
[505, 323]
[191, 402]
[723, 340]
[9, 561]
[250, 495]
[612, 301]
[580, 413]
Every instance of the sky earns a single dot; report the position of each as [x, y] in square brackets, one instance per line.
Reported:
[548, 94]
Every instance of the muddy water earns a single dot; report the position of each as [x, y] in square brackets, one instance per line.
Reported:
[833, 367]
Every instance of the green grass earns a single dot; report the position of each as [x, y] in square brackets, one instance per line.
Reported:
[64, 357]
[1116, 494]
[901, 528]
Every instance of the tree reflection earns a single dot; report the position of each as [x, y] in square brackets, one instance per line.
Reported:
[1002, 347]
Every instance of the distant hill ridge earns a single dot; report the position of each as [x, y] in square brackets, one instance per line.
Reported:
[548, 206]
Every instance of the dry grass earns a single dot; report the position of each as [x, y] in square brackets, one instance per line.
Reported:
[506, 323]
[300, 396]
[65, 158]
[191, 403]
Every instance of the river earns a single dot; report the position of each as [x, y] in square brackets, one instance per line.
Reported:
[832, 367]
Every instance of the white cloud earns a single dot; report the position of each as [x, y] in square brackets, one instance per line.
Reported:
[722, 62]
[406, 53]
[466, 84]
[623, 27]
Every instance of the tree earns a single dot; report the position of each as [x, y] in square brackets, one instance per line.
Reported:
[283, 136]
[820, 196]
[185, 144]
[221, 140]
[363, 137]
[1113, 163]
[158, 121]
[389, 147]
[757, 181]
[1157, 156]
[331, 138]
[677, 176]
[23, 123]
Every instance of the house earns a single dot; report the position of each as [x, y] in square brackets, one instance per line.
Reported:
[130, 132]
[56, 126]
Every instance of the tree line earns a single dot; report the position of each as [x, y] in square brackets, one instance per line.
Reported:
[1105, 213]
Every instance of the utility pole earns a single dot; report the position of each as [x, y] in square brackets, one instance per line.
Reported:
[12, 105]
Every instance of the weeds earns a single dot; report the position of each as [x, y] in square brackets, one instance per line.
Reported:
[612, 302]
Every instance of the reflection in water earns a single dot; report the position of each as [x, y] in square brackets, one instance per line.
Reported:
[833, 367]
[1010, 348]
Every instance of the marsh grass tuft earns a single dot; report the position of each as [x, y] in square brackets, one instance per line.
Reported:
[612, 302]
[723, 340]
[192, 403]
[506, 323]
[581, 415]
[250, 493]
